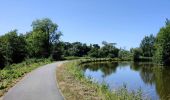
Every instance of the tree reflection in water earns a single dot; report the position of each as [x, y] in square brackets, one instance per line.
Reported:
[157, 75]
[105, 68]
[150, 74]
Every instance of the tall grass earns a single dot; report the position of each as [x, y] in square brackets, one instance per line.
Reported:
[102, 90]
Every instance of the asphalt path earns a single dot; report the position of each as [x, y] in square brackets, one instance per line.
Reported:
[40, 84]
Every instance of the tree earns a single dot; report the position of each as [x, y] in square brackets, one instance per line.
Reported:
[79, 49]
[12, 48]
[44, 35]
[162, 45]
[94, 52]
[109, 50]
[147, 46]
[58, 51]
[18, 46]
[2, 52]
[137, 52]
[124, 54]
[67, 48]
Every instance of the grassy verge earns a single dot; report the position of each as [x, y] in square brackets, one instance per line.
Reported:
[74, 58]
[82, 61]
[96, 59]
[13, 73]
[75, 86]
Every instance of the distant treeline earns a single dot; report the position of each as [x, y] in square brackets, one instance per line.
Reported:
[43, 41]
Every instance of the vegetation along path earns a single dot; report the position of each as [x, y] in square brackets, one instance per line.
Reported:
[40, 84]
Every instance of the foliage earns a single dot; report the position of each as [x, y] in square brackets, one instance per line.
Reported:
[74, 49]
[43, 41]
[58, 51]
[79, 49]
[40, 40]
[12, 46]
[137, 52]
[162, 45]
[124, 54]
[147, 46]
[94, 52]
[109, 50]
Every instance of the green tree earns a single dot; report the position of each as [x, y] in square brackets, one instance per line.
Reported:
[3, 52]
[12, 48]
[94, 52]
[44, 35]
[124, 54]
[137, 52]
[147, 46]
[79, 49]
[162, 45]
[109, 50]
[58, 51]
[67, 49]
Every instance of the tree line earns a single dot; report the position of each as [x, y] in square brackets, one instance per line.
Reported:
[43, 41]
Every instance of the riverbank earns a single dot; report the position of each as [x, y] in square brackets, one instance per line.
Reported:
[10, 75]
[75, 86]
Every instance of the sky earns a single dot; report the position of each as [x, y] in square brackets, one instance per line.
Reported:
[124, 22]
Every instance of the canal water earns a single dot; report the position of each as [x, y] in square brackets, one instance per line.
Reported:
[153, 80]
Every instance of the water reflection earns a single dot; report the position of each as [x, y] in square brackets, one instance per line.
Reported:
[154, 80]
[145, 70]
[157, 75]
[105, 68]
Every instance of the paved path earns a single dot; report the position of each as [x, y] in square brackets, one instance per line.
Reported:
[40, 84]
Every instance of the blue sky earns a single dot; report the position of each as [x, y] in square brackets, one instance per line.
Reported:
[124, 22]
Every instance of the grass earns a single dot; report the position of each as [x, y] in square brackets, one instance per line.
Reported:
[97, 59]
[75, 57]
[13, 73]
[75, 86]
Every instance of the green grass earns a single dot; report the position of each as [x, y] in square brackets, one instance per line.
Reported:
[11, 74]
[97, 59]
[101, 90]
[75, 57]
[102, 60]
